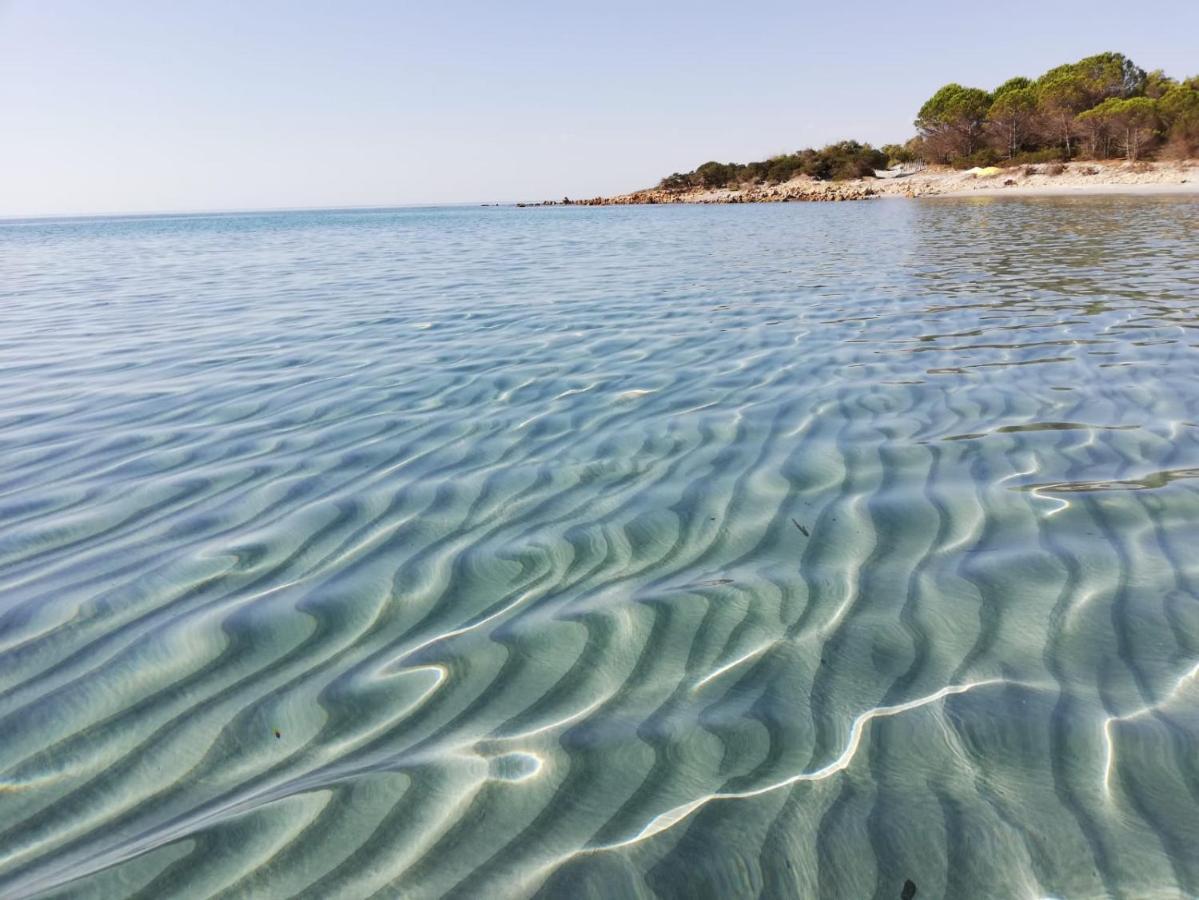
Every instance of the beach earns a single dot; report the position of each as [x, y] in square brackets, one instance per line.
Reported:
[1046, 179]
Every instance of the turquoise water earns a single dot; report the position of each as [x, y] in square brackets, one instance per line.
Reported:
[792, 550]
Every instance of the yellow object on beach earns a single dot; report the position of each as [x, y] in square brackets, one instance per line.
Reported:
[987, 172]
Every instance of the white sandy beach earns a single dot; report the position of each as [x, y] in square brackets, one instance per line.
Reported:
[1079, 178]
[1075, 190]
[1071, 179]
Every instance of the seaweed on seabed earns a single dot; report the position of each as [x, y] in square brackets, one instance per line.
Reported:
[909, 890]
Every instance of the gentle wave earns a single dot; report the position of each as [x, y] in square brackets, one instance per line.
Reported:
[675, 552]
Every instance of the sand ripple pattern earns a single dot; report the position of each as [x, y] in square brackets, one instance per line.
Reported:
[739, 552]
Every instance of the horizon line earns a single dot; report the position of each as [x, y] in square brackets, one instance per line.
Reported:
[9, 219]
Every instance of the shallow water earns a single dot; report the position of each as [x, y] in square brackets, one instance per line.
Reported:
[796, 550]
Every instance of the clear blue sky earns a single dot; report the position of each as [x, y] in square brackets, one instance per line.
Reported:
[142, 105]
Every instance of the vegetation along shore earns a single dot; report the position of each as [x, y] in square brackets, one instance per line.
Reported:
[1095, 124]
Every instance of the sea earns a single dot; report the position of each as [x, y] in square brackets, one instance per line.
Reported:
[843, 550]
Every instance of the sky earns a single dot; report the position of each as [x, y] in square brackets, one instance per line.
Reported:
[140, 106]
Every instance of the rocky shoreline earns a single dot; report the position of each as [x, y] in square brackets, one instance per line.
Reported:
[805, 190]
[1075, 177]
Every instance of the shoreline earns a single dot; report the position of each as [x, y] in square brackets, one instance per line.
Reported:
[1083, 190]
[1085, 178]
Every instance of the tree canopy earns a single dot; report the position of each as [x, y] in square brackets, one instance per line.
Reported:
[1012, 114]
[951, 121]
[1132, 118]
[1100, 106]
[1052, 115]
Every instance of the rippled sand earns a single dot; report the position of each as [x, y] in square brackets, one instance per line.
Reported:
[721, 552]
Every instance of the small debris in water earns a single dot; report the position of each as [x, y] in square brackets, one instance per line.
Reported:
[909, 890]
[278, 734]
[805, 531]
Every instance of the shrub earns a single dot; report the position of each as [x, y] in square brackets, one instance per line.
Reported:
[675, 182]
[782, 168]
[714, 174]
[898, 154]
[1055, 169]
[843, 160]
[1180, 147]
[1046, 155]
[987, 156]
[847, 159]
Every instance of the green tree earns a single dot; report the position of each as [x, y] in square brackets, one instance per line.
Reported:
[1179, 110]
[1012, 84]
[1061, 95]
[1138, 118]
[1112, 75]
[1097, 123]
[1012, 114]
[898, 154]
[1065, 91]
[1157, 83]
[1134, 118]
[952, 121]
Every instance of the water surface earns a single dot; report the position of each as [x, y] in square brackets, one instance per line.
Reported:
[794, 550]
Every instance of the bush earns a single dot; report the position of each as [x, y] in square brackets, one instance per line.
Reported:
[1180, 147]
[848, 169]
[675, 182]
[756, 172]
[1048, 154]
[847, 159]
[781, 168]
[1055, 169]
[982, 158]
[898, 154]
[714, 174]
[844, 160]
